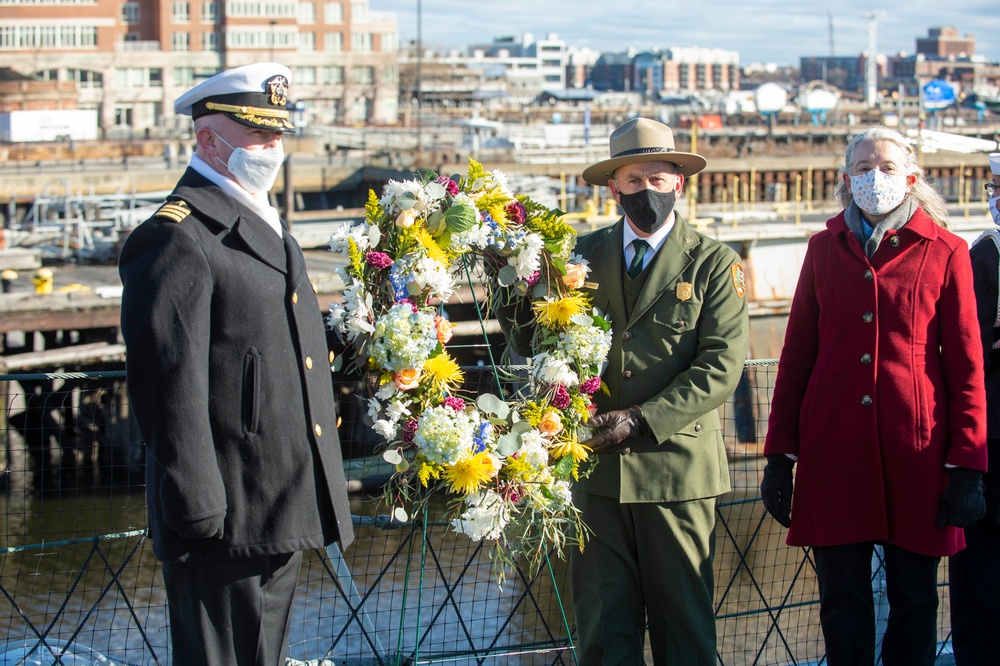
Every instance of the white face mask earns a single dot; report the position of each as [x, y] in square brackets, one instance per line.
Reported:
[255, 170]
[877, 193]
[994, 204]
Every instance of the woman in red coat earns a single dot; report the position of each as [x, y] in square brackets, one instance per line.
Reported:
[879, 398]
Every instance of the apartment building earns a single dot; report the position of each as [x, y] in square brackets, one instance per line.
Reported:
[130, 60]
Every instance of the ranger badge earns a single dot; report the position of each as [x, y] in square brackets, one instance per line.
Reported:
[684, 291]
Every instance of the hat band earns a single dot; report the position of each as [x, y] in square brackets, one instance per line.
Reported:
[247, 110]
[641, 151]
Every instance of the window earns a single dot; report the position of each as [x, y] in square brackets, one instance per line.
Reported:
[333, 76]
[123, 115]
[183, 76]
[85, 78]
[130, 13]
[307, 12]
[307, 41]
[209, 12]
[180, 41]
[180, 12]
[364, 75]
[333, 13]
[390, 42]
[359, 10]
[305, 76]
[361, 42]
[334, 41]
[47, 36]
[209, 41]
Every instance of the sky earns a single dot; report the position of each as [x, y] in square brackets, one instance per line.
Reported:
[768, 31]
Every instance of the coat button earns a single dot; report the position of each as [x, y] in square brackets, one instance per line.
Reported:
[866, 401]
[315, 288]
[318, 430]
[332, 356]
[295, 297]
[866, 358]
[627, 374]
[309, 363]
[868, 317]
[894, 241]
[697, 427]
[627, 335]
[869, 275]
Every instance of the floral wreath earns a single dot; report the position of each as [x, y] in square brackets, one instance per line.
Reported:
[509, 464]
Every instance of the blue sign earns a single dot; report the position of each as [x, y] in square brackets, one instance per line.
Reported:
[938, 94]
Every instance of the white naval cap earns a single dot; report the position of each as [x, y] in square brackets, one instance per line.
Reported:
[253, 95]
[995, 163]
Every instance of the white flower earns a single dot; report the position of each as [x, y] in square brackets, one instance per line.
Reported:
[403, 339]
[550, 370]
[444, 435]
[528, 258]
[486, 517]
[434, 278]
[385, 429]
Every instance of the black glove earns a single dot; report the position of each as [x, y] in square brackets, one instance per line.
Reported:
[962, 503]
[776, 487]
[212, 527]
[620, 426]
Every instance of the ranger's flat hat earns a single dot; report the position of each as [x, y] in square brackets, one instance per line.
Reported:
[253, 95]
[642, 140]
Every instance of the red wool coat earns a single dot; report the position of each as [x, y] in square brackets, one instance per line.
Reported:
[879, 386]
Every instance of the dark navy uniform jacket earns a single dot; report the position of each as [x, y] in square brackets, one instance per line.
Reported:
[229, 379]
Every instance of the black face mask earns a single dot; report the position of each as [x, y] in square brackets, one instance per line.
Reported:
[648, 209]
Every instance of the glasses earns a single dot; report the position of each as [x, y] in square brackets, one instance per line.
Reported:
[991, 189]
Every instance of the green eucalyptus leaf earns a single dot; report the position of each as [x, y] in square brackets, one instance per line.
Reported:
[338, 363]
[520, 428]
[435, 190]
[508, 444]
[406, 201]
[507, 276]
[492, 405]
[374, 235]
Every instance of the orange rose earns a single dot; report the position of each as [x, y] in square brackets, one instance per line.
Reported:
[443, 328]
[551, 424]
[407, 379]
[576, 275]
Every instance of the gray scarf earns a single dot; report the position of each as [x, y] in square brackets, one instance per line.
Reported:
[899, 216]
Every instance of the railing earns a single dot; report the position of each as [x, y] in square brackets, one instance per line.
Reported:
[77, 574]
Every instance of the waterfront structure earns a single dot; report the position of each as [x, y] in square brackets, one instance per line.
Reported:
[129, 59]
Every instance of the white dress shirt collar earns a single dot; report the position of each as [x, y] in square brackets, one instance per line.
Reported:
[655, 241]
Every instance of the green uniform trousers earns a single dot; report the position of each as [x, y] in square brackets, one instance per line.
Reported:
[645, 562]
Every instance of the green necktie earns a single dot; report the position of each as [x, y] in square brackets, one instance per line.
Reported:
[640, 251]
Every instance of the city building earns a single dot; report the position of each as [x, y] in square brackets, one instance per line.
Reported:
[130, 60]
[944, 42]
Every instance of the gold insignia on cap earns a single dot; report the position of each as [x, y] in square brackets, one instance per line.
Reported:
[173, 210]
[739, 280]
[277, 87]
[684, 291]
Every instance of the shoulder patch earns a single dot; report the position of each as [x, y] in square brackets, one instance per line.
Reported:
[739, 280]
[175, 210]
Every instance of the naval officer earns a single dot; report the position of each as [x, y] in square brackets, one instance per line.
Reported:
[229, 380]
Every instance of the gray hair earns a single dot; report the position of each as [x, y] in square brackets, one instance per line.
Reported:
[923, 191]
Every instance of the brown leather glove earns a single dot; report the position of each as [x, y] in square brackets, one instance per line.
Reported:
[620, 426]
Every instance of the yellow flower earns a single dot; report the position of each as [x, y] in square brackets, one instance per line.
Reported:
[427, 472]
[551, 424]
[569, 447]
[434, 250]
[466, 476]
[443, 371]
[557, 312]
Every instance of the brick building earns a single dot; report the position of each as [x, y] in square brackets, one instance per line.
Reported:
[130, 60]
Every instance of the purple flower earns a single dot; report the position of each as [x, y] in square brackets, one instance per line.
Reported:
[562, 398]
[455, 403]
[409, 430]
[515, 212]
[532, 279]
[590, 386]
[379, 260]
[450, 186]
